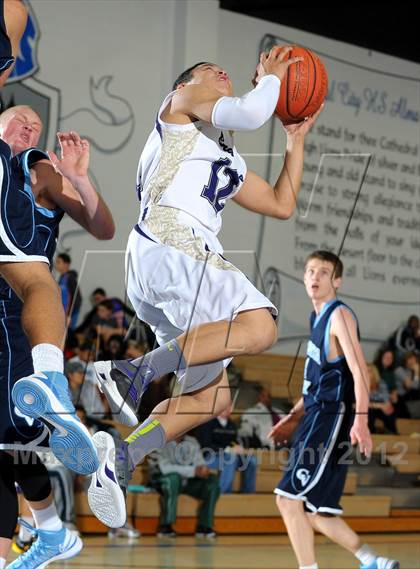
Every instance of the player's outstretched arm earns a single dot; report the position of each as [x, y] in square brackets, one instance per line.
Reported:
[248, 112]
[343, 327]
[65, 182]
[279, 201]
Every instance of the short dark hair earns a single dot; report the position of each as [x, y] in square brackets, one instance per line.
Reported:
[107, 304]
[329, 258]
[412, 317]
[187, 75]
[99, 290]
[64, 257]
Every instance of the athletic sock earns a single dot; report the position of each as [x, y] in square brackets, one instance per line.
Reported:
[24, 533]
[2, 562]
[366, 555]
[47, 357]
[47, 518]
[147, 437]
[162, 360]
[314, 566]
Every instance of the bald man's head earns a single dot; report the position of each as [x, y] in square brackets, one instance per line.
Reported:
[20, 128]
[11, 111]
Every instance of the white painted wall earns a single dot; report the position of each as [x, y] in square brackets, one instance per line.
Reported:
[141, 45]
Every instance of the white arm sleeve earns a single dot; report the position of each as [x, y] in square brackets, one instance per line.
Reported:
[250, 111]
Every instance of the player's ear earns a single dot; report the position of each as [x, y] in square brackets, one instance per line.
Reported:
[337, 282]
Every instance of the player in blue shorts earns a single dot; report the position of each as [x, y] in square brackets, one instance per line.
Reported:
[13, 16]
[25, 267]
[50, 197]
[332, 414]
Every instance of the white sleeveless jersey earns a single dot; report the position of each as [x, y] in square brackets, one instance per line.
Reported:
[177, 277]
[185, 176]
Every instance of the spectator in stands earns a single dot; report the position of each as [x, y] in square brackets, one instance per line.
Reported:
[119, 310]
[380, 405]
[179, 468]
[84, 391]
[95, 403]
[407, 338]
[70, 293]
[385, 363]
[104, 324]
[257, 421]
[407, 377]
[115, 348]
[222, 450]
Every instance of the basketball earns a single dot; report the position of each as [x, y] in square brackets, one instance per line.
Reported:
[304, 87]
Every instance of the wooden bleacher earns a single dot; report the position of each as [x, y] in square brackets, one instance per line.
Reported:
[408, 426]
[395, 444]
[281, 374]
[406, 464]
[256, 509]
[257, 513]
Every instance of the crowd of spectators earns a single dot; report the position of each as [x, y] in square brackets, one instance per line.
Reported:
[205, 462]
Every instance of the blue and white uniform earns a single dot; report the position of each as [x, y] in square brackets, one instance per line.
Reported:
[317, 467]
[19, 241]
[177, 277]
[18, 431]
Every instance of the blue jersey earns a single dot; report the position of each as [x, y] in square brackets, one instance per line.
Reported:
[16, 430]
[45, 221]
[326, 380]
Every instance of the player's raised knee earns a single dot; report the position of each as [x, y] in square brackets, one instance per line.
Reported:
[263, 336]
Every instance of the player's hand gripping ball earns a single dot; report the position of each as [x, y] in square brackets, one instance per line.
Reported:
[303, 88]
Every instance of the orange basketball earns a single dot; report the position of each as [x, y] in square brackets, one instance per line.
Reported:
[304, 87]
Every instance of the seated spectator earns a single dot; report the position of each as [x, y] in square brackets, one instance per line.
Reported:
[257, 421]
[115, 348]
[380, 405]
[406, 338]
[104, 325]
[222, 450]
[70, 293]
[407, 377]
[119, 310]
[385, 364]
[82, 382]
[179, 468]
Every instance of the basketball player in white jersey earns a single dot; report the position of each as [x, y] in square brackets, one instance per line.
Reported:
[202, 309]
